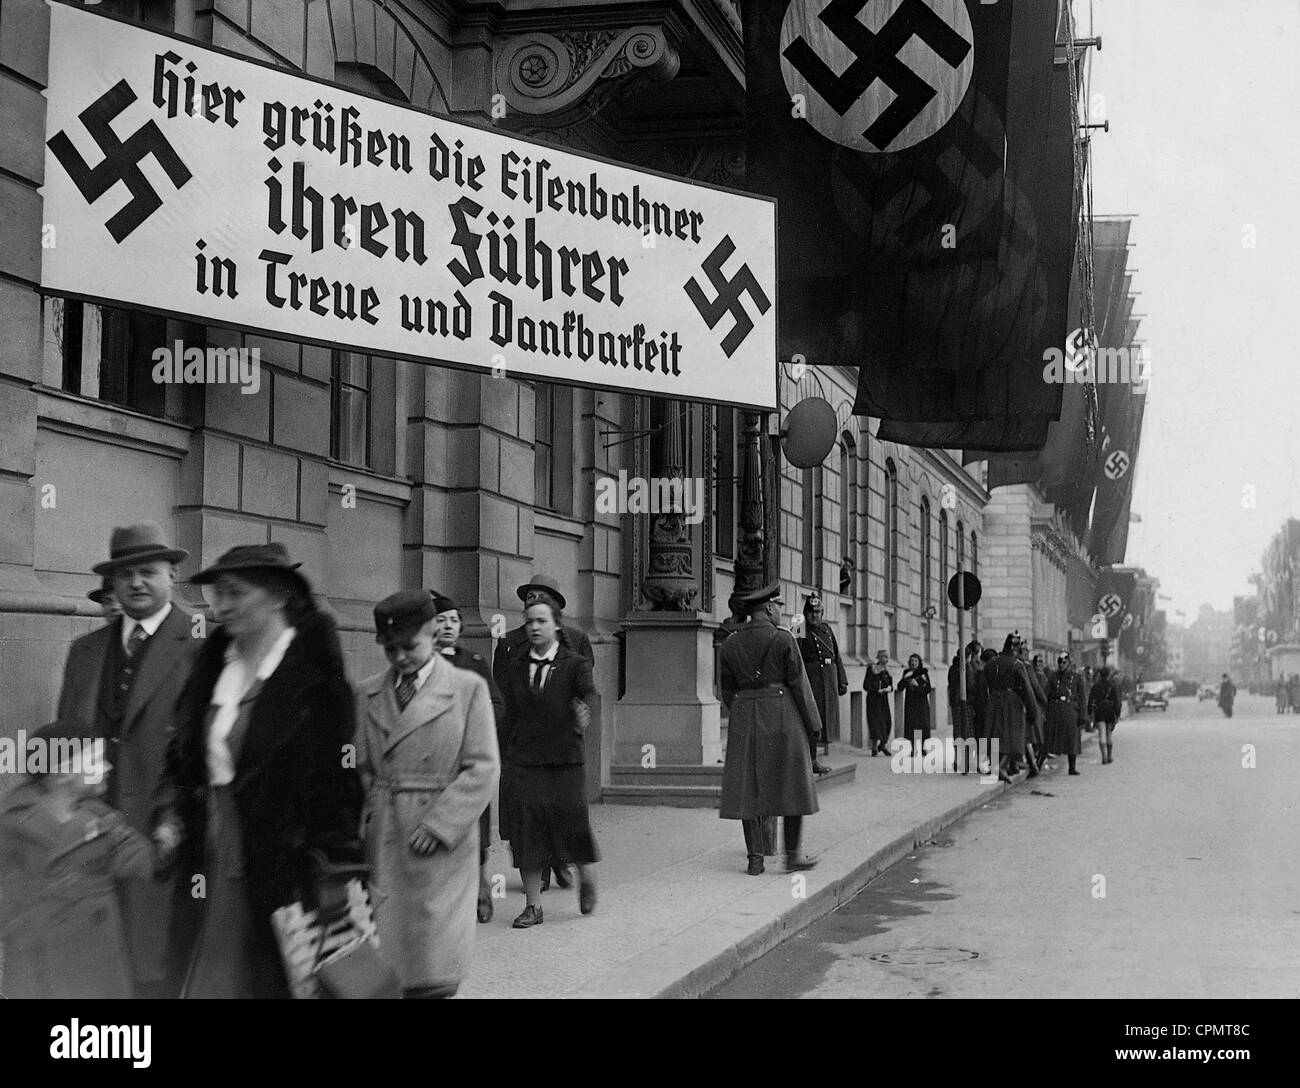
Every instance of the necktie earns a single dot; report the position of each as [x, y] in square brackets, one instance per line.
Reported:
[539, 672]
[135, 640]
[405, 690]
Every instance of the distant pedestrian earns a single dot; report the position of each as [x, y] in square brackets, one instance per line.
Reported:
[1010, 701]
[1089, 678]
[1293, 693]
[1282, 692]
[447, 628]
[878, 684]
[427, 756]
[1104, 706]
[1036, 717]
[63, 850]
[962, 714]
[826, 676]
[1067, 710]
[1227, 695]
[547, 692]
[773, 715]
[916, 687]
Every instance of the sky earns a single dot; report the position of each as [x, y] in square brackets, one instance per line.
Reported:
[1203, 100]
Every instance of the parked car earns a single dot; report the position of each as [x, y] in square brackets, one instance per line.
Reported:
[1207, 691]
[1150, 700]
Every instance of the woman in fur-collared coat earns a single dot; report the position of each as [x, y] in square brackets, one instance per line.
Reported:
[427, 753]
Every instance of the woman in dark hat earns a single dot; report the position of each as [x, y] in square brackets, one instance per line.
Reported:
[878, 684]
[547, 691]
[447, 627]
[260, 772]
[916, 687]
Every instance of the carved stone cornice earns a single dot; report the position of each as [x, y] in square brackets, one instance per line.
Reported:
[540, 73]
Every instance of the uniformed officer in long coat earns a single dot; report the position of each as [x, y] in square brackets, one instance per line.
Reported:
[768, 769]
[826, 676]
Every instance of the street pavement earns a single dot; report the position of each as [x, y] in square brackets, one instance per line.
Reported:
[676, 913]
[1201, 868]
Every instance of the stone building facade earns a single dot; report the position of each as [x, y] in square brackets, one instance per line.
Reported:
[379, 473]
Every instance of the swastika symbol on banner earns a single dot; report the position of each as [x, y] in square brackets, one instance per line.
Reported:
[880, 80]
[1128, 621]
[729, 292]
[1116, 465]
[121, 160]
[1110, 605]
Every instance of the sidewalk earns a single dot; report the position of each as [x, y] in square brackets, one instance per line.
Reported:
[677, 915]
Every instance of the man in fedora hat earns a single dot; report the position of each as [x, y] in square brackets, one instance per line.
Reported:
[121, 683]
[768, 768]
[542, 588]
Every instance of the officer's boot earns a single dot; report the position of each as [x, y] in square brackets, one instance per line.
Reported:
[754, 845]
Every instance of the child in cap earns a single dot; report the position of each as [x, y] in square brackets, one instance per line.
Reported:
[62, 847]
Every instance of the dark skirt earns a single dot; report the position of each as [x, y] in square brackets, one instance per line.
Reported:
[879, 719]
[916, 715]
[1062, 728]
[235, 957]
[548, 816]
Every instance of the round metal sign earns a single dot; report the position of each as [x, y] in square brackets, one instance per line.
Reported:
[809, 433]
[971, 587]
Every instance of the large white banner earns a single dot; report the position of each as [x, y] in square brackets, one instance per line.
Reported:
[185, 180]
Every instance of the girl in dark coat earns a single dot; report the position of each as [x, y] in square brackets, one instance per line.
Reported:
[260, 768]
[916, 687]
[546, 717]
[878, 684]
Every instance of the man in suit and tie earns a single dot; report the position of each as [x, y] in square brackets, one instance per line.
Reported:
[121, 683]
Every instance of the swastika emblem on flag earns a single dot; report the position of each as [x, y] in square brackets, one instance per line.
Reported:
[1117, 465]
[878, 75]
[121, 160]
[1110, 605]
[728, 299]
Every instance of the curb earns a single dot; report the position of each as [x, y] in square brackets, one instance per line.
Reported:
[822, 902]
[724, 966]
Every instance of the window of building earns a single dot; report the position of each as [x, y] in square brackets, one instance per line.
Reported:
[849, 512]
[891, 532]
[943, 577]
[726, 483]
[350, 401]
[553, 446]
[975, 570]
[813, 528]
[927, 556]
[107, 353]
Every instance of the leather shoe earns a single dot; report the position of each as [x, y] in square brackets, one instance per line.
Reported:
[562, 877]
[796, 865]
[587, 897]
[820, 768]
[532, 916]
[755, 867]
[485, 910]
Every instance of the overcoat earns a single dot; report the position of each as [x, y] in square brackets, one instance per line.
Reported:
[916, 701]
[1067, 710]
[433, 765]
[1009, 699]
[1103, 701]
[826, 676]
[140, 789]
[60, 923]
[880, 719]
[294, 787]
[768, 769]
[1035, 715]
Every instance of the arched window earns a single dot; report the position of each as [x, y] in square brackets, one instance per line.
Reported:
[961, 546]
[927, 556]
[975, 570]
[813, 527]
[943, 577]
[849, 514]
[891, 532]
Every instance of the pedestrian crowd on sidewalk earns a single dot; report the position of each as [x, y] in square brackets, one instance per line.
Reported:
[1287, 691]
[200, 787]
[204, 784]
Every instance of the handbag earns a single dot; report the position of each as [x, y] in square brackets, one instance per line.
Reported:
[330, 948]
